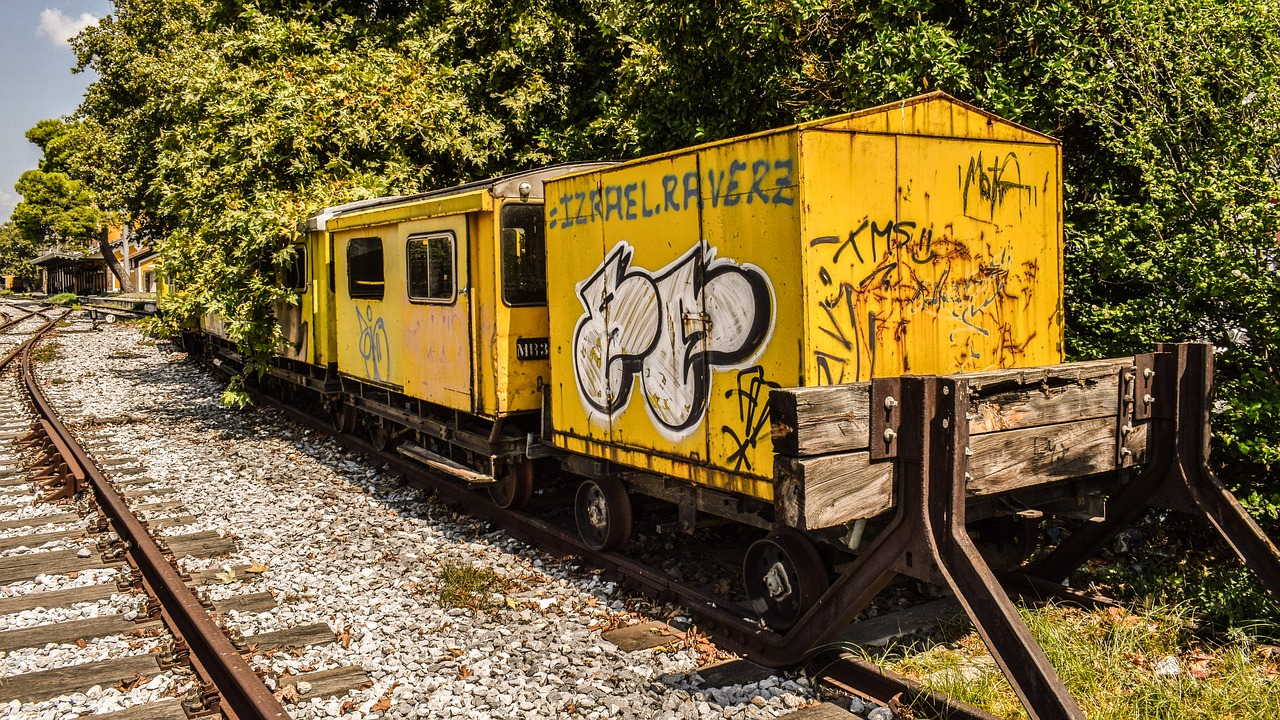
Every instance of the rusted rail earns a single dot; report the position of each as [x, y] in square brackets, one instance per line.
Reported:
[231, 684]
[733, 627]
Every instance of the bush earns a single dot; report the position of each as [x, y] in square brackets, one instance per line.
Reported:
[63, 299]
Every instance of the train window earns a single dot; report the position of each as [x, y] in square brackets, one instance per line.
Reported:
[430, 261]
[295, 275]
[364, 268]
[524, 255]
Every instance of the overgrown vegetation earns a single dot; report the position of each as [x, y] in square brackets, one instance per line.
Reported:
[63, 299]
[45, 352]
[1117, 664]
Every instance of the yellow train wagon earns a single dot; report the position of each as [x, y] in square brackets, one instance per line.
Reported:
[923, 236]
[441, 325]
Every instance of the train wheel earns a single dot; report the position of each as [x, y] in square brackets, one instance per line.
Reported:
[342, 415]
[784, 577]
[603, 511]
[514, 486]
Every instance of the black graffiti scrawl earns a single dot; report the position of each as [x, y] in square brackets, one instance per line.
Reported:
[670, 328]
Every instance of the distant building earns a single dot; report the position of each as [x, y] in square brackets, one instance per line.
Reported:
[86, 273]
[67, 271]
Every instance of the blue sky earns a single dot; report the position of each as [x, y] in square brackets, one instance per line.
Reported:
[36, 81]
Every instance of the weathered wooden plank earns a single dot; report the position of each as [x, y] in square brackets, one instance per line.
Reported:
[815, 420]
[643, 636]
[733, 672]
[1044, 405]
[882, 630]
[297, 637]
[45, 684]
[201, 547]
[823, 420]
[1038, 455]
[68, 632]
[150, 492]
[326, 683]
[821, 711]
[22, 568]
[211, 576]
[827, 490]
[251, 602]
[34, 522]
[38, 539]
[57, 598]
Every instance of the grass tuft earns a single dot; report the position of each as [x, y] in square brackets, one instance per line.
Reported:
[470, 587]
[1118, 664]
[45, 353]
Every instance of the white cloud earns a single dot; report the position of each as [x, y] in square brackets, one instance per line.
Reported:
[60, 27]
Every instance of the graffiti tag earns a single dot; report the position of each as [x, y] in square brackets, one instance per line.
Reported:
[880, 274]
[993, 182]
[374, 347]
[761, 182]
[753, 413]
[671, 328]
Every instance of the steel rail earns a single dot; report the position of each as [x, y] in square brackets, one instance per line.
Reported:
[243, 694]
[732, 626]
[4, 326]
[22, 346]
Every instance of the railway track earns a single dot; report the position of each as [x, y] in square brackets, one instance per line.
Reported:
[94, 616]
[839, 667]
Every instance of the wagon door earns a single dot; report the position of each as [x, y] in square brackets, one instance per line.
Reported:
[437, 328]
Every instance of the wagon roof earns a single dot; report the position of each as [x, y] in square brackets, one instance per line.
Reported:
[935, 114]
[502, 186]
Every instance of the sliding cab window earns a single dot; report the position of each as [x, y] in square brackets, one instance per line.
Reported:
[524, 256]
[365, 277]
[431, 267]
[295, 274]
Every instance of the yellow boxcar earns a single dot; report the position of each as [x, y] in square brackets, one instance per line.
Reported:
[441, 296]
[918, 237]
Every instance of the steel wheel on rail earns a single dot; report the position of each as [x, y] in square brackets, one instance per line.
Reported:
[784, 576]
[602, 509]
[341, 415]
[382, 432]
[514, 486]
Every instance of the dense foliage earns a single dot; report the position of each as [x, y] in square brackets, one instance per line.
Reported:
[225, 123]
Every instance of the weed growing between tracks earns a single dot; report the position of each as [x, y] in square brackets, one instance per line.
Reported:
[1118, 664]
[472, 588]
[46, 352]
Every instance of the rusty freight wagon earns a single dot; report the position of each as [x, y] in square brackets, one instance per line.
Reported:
[918, 237]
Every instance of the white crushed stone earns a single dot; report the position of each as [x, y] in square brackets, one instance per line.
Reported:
[345, 545]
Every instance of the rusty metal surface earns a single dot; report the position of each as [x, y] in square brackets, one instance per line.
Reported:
[1178, 476]
[243, 695]
[886, 417]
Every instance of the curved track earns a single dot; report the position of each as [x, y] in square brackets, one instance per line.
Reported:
[227, 681]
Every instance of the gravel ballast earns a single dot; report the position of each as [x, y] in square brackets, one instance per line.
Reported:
[341, 543]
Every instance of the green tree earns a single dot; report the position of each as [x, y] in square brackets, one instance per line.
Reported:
[16, 252]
